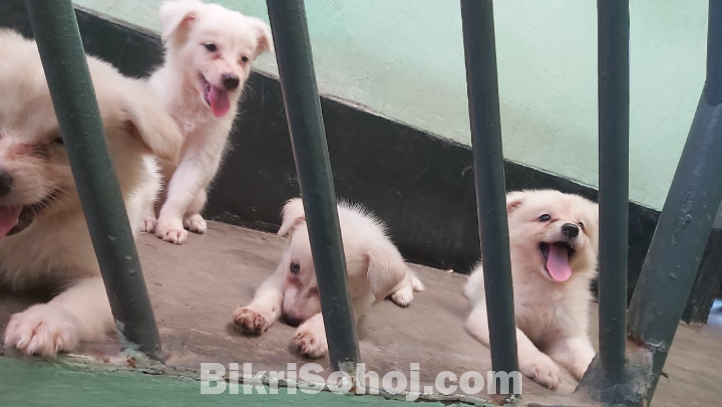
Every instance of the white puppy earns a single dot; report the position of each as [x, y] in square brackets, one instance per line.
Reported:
[553, 242]
[209, 50]
[44, 240]
[375, 270]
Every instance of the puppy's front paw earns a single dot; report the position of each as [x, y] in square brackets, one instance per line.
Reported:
[250, 322]
[403, 297]
[542, 369]
[42, 329]
[171, 230]
[309, 343]
[196, 224]
[149, 224]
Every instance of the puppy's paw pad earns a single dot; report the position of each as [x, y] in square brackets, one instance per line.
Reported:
[249, 322]
[308, 344]
[196, 224]
[543, 371]
[43, 330]
[402, 298]
[149, 224]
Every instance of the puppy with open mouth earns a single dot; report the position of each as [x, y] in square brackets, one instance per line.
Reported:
[375, 270]
[553, 240]
[44, 238]
[209, 52]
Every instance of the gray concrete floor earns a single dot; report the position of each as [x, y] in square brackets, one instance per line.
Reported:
[195, 287]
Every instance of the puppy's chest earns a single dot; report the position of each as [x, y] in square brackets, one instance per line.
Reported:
[196, 121]
[536, 310]
[190, 123]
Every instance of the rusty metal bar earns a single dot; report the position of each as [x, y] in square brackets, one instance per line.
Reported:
[684, 226]
[613, 60]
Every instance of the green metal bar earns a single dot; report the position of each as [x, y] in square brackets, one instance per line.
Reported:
[66, 69]
[483, 91]
[686, 221]
[308, 136]
[613, 60]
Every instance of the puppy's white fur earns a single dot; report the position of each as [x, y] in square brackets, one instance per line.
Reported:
[204, 43]
[551, 316]
[375, 270]
[55, 251]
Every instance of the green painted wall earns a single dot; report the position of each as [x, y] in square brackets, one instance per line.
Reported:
[29, 383]
[404, 59]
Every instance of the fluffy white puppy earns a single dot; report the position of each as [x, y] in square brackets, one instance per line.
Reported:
[375, 270]
[553, 241]
[209, 50]
[44, 240]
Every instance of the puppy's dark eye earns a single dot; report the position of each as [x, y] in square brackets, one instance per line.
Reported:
[295, 267]
[581, 225]
[545, 218]
[244, 59]
[211, 47]
[59, 140]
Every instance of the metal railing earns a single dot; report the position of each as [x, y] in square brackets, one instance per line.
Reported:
[613, 73]
[61, 50]
[308, 136]
[668, 272]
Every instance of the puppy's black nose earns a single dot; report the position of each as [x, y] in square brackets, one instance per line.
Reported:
[291, 321]
[6, 183]
[570, 230]
[230, 81]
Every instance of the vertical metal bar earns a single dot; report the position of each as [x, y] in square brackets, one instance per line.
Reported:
[613, 50]
[483, 93]
[66, 69]
[308, 136]
[676, 250]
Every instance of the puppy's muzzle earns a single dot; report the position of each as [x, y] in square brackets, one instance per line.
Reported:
[291, 321]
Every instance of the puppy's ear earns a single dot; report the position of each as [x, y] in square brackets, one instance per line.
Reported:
[293, 215]
[146, 118]
[177, 16]
[514, 200]
[386, 272]
[265, 36]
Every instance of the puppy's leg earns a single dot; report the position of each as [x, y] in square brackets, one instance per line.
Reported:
[310, 338]
[193, 220]
[388, 275]
[532, 362]
[573, 353]
[264, 310]
[142, 202]
[149, 220]
[193, 175]
[80, 313]
[404, 295]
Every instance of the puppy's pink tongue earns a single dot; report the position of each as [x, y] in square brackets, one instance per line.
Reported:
[8, 218]
[220, 103]
[558, 263]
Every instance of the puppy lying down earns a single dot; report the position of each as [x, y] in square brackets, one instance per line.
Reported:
[375, 268]
[553, 242]
[44, 240]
